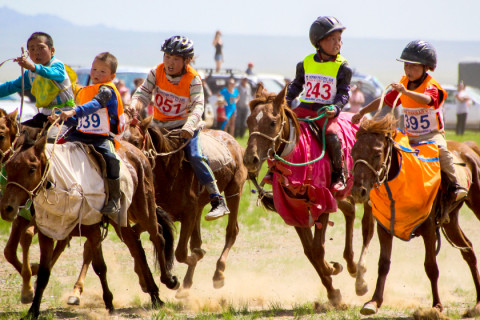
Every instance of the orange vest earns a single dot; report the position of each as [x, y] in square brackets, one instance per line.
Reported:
[172, 101]
[403, 203]
[101, 116]
[419, 118]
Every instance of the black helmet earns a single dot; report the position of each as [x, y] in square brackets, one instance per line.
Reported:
[420, 52]
[322, 27]
[178, 46]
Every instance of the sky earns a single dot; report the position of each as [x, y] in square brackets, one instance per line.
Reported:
[407, 19]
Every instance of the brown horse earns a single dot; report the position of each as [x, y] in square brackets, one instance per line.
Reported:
[25, 172]
[271, 124]
[177, 190]
[374, 144]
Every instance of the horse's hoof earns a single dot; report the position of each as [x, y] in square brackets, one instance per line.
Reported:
[335, 297]
[199, 252]
[361, 287]
[217, 284]
[337, 268]
[368, 309]
[73, 301]
[27, 298]
[472, 313]
[171, 283]
[182, 293]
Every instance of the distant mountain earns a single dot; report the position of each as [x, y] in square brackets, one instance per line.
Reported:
[78, 45]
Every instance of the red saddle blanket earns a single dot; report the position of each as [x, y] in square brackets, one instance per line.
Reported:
[301, 193]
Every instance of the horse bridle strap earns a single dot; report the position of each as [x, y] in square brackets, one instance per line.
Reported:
[382, 173]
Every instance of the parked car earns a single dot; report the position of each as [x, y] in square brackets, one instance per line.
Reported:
[128, 75]
[13, 101]
[450, 108]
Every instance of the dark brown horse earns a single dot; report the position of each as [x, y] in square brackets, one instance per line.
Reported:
[374, 143]
[25, 172]
[271, 124]
[177, 190]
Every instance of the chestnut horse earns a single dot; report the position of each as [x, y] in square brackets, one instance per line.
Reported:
[376, 161]
[26, 172]
[177, 190]
[273, 126]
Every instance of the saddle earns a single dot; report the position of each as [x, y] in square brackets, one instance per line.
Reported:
[75, 192]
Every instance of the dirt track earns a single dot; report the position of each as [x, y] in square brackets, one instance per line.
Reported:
[265, 270]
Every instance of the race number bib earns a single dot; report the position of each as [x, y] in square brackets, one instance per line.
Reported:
[170, 104]
[319, 88]
[420, 121]
[97, 122]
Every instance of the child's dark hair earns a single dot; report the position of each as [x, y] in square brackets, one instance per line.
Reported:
[109, 59]
[48, 38]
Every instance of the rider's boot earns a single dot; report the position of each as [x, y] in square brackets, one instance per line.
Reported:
[454, 193]
[334, 150]
[219, 206]
[112, 208]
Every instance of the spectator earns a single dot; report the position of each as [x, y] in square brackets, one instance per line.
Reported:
[218, 44]
[123, 90]
[249, 70]
[463, 102]
[230, 93]
[137, 82]
[357, 98]
[243, 110]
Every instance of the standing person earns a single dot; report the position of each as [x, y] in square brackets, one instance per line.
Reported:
[243, 110]
[422, 98]
[99, 118]
[322, 82]
[218, 44]
[175, 80]
[249, 70]
[231, 95]
[124, 92]
[357, 98]
[46, 77]
[463, 102]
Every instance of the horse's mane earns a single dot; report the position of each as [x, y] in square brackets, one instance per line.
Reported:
[159, 139]
[383, 126]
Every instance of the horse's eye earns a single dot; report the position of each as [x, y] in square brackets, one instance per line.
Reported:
[273, 124]
[32, 169]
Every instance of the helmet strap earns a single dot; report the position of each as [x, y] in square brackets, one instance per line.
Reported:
[321, 52]
[419, 81]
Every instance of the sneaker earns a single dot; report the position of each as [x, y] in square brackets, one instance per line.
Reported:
[219, 209]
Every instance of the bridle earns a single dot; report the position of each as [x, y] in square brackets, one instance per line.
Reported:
[382, 173]
[278, 139]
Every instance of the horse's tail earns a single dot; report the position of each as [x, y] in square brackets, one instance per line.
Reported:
[166, 227]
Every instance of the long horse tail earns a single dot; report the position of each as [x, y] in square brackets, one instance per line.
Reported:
[167, 229]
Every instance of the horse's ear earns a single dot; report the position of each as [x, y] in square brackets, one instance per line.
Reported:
[12, 117]
[39, 145]
[279, 100]
[260, 91]
[145, 123]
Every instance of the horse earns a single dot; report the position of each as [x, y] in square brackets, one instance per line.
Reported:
[377, 161]
[177, 191]
[274, 128]
[26, 178]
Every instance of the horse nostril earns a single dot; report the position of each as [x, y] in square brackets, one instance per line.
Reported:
[255, 159]
[363, 192]
[9, 209]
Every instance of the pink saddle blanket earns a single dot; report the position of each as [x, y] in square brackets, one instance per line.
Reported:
[301, 193]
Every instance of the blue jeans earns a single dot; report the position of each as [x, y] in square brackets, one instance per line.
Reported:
[198, 161]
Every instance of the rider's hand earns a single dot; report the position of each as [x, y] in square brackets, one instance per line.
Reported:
[399, 87]
[185, 134]
[330, 113]
[356, 118]
[67, 114]
[25, 63]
